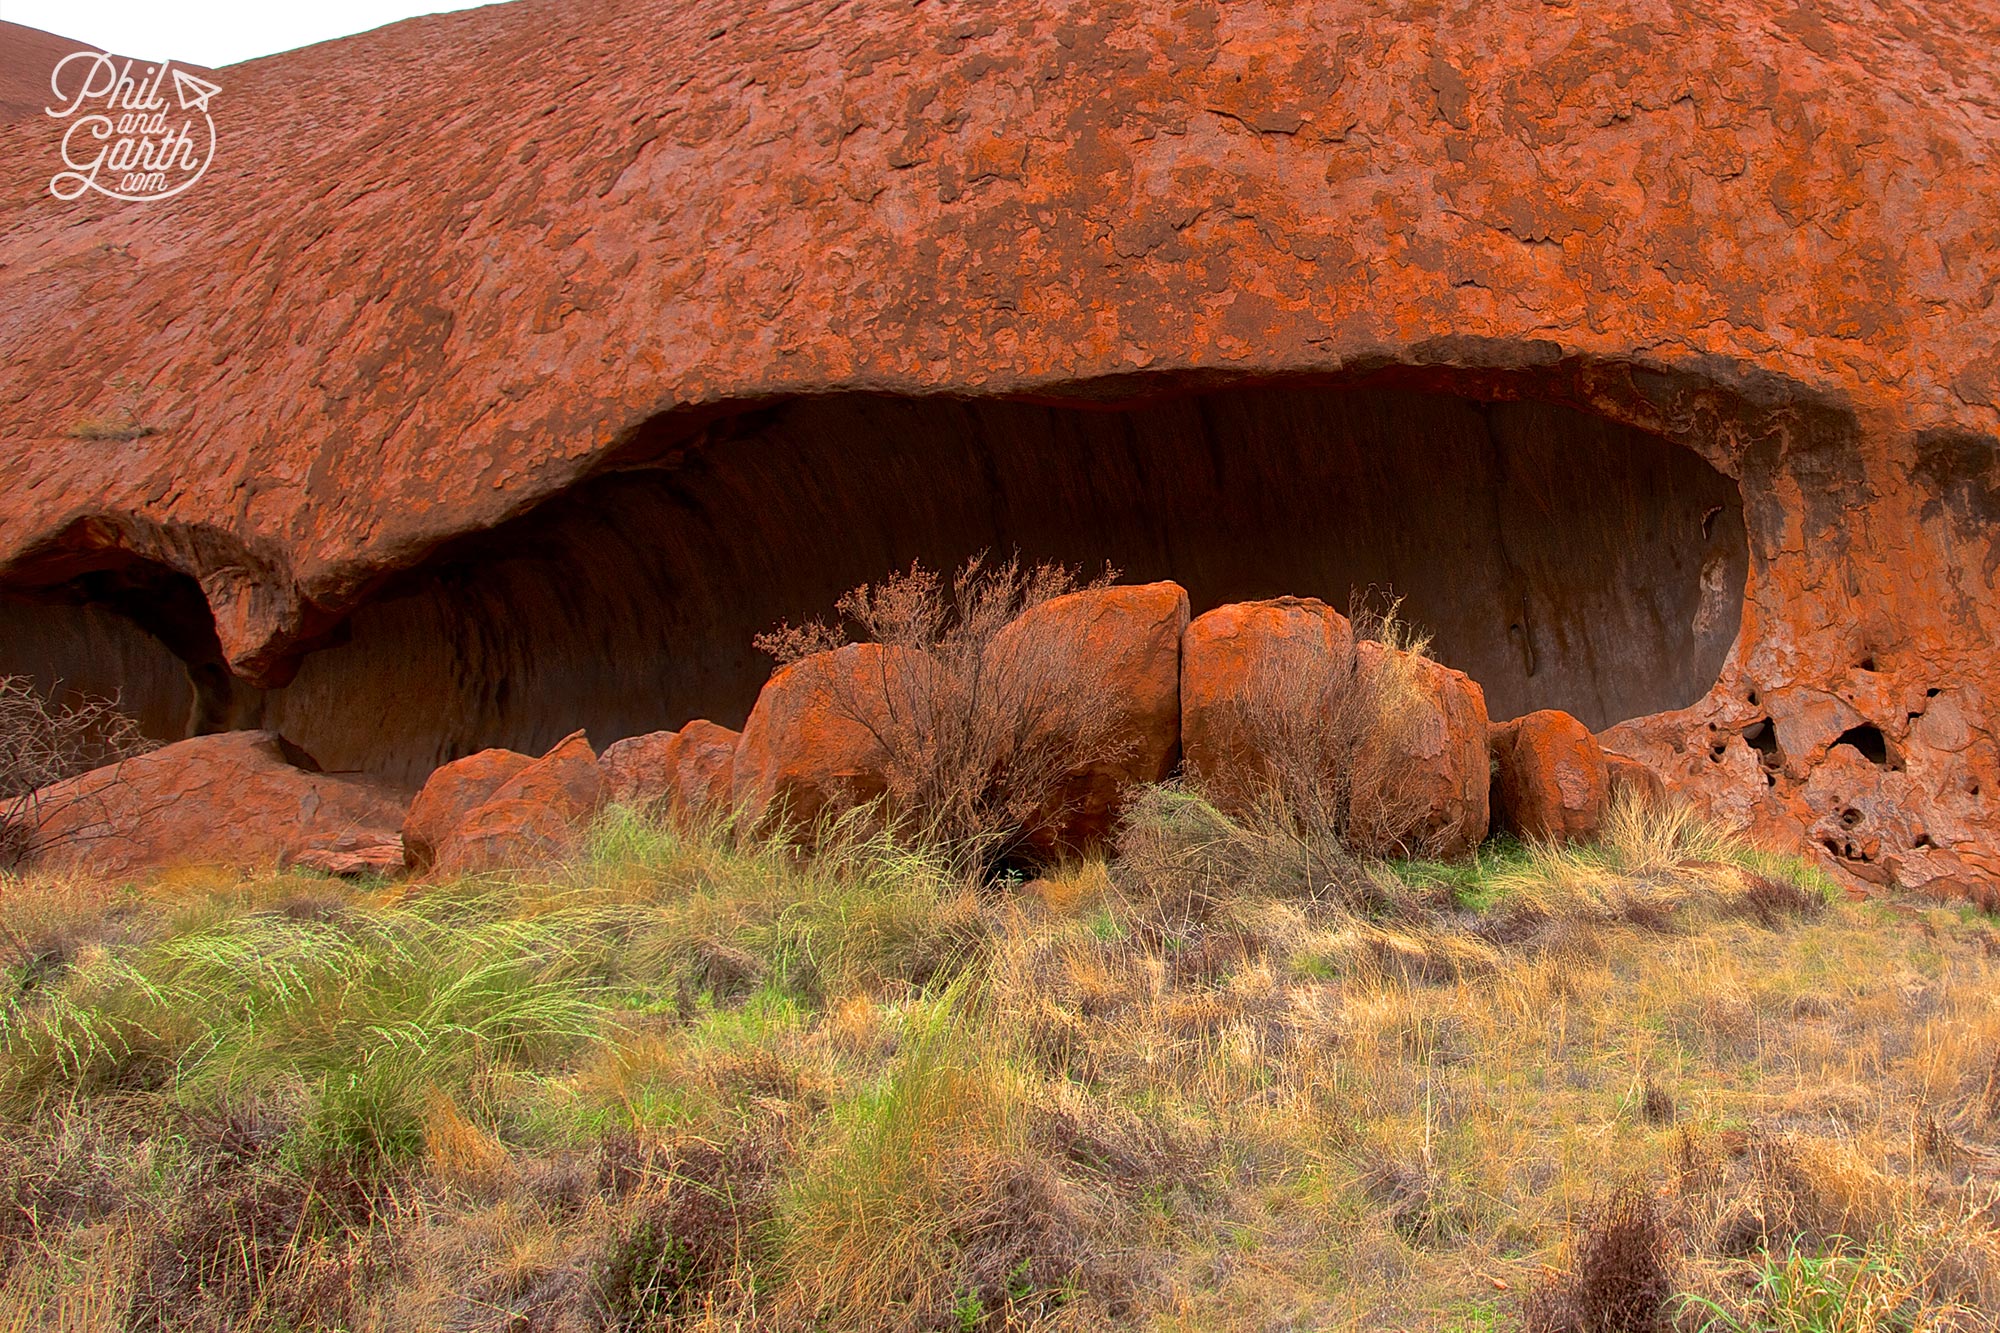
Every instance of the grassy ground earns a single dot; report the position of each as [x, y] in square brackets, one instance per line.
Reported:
[1228, 1081]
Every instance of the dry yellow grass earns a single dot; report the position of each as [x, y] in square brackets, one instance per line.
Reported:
[860, 1098]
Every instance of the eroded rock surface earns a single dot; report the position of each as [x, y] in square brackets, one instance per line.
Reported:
[1757, 232]
[245, 798]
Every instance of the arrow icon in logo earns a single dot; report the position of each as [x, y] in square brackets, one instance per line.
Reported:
[194, 92]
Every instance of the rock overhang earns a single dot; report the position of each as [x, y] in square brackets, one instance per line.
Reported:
[449, 308]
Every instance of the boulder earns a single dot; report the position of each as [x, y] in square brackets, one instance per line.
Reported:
[505, 834]
[1240, 660]
[1550, 779]
[1118, 650]
[811, 745]
[1421, 777]
[449, 795]
[241, 798]
[353, 856]
[566, 779]
[1629, 780]
[565, 784]
[677, 772]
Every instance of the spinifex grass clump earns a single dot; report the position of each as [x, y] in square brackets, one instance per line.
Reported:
[352, 1021]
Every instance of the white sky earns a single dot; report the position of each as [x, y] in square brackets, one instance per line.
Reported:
[213, 32]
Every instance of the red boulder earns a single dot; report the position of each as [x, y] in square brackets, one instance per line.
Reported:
[505, 834]
[812, 744]
[1420, 784]
[1244, 664]
[240, 798]
[449, 795]
[678, 772]
[1550, 779]
[1117, 653]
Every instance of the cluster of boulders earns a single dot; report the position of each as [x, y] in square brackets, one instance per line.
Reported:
[1181, 690]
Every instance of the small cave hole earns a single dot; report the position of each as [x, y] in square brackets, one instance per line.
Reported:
[1922, 840]
[1866, 664]
[1762, 736]
[1933, 692]
[1750, 697]
[1850, 817]
[1869, 740]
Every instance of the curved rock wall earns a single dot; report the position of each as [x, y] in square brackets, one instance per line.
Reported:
[1560, 559]
[1760, 229]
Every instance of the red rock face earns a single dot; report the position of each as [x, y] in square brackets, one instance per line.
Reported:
[449, 795]
[1126, 643]
[677, 772]
[1226, 656]
[873, 284]
[1422, 783]
[811, 745]
[1550, 781]
[241, 798]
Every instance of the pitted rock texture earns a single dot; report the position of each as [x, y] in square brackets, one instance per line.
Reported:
[1758, 229]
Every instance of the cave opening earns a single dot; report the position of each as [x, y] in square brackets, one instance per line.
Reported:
[133, 632]
[1561, 558]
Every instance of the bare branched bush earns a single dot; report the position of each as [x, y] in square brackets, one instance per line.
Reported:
[43, 743]
[1314, 719]
[1622, 1272]
[985, 715]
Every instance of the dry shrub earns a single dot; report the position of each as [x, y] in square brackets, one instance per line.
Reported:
[984, 721]
[690, 1218]
[42, 743]
[1771, 901]
[1782, 1192]
[1621, 1275]
[1313, 719]
[1182, 858]
[249, 1242]
[1425, 1205]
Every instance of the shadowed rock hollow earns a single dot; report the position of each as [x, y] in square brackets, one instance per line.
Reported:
[1648, 349]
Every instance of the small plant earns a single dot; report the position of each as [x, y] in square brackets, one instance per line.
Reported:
[42, 743]
[1800, 1292]
[1621, 1273]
